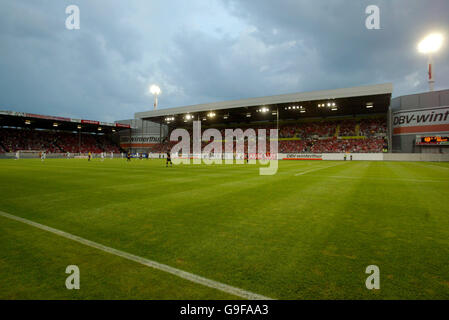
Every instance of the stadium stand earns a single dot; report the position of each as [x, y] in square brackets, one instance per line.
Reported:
[319, 136]
[325, 136]
[14, 139]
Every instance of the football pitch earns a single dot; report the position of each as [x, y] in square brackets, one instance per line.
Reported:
[308, 232]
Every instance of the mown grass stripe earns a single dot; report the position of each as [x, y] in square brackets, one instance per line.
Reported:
[149, 263]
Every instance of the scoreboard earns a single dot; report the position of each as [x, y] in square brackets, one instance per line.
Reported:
[432, 140]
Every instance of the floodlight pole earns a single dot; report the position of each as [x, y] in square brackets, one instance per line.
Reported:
[430, 73]
[155, 101]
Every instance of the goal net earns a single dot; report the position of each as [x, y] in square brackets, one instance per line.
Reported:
[29, 154]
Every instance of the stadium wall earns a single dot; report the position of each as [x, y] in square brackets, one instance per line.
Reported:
[368, 156]
[281, 156]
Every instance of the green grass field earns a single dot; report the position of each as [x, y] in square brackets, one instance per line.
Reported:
[287, 236]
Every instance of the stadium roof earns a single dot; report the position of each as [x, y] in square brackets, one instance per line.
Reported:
[347, 101]
[37, 121]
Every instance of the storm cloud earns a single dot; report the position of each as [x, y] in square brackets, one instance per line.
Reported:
[206, 51]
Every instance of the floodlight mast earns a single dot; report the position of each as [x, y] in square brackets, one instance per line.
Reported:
[430, 73]
[155, 91]
[430, 44]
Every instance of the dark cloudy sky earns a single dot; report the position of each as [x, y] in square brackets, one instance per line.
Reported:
[202, 51]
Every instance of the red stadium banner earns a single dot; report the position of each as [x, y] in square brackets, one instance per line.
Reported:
[90, 122]
[39, 116]
[122, 125]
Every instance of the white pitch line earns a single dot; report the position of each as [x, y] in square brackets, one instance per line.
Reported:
[316, 169]
[381, 179]
[146, 262]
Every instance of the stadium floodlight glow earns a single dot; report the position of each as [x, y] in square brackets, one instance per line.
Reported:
[79, 126]
[55, 124]
[211, 114]
[155, 91]
[189, 116]
[27, 122]
[99, 129]
[430, 44]
[289, 108]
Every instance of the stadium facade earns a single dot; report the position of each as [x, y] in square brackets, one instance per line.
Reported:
[418, 121]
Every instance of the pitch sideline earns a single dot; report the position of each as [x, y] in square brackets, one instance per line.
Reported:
[146, 262]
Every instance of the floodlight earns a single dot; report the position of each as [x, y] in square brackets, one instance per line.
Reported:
[430, 44]
[155, 91]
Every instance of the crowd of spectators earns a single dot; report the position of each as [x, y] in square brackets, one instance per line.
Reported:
[373, 127]
[318, 136]
[12, 140]
[333, 145]
[363, 135]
